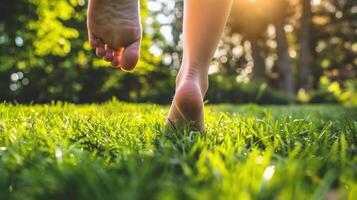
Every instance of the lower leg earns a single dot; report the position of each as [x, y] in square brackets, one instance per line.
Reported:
[204, 21]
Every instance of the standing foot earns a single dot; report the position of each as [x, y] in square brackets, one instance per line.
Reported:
[187, 106]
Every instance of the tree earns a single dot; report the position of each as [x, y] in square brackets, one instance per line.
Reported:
[304, 53]
[259, 64]
[279, 15]
[284, 61]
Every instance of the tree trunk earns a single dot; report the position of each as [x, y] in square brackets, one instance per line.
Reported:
[284, 60]
[304, 54]
[259, 64]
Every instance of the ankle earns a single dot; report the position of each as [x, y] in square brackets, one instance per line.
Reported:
[191, 74]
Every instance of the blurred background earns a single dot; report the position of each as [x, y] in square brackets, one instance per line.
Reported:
[272, 52]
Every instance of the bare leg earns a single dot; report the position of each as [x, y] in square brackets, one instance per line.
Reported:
[114, 29]
[204, 21]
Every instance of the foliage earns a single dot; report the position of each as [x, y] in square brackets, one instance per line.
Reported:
[227, 89]
[332, 92]
[121, 151]
[44, 53]
[45, 56]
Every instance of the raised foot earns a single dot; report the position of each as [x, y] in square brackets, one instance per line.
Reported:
[187, 106]
[114, 29]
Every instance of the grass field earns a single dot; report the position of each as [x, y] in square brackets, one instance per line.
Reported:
[122, 151]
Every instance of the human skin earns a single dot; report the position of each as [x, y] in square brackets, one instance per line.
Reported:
[114, 30]
[203, 24]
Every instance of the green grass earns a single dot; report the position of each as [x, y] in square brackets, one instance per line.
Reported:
[121, 151]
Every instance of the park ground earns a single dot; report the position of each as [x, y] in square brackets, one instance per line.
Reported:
[118, 150]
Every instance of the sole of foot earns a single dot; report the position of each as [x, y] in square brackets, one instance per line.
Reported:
[114, 29]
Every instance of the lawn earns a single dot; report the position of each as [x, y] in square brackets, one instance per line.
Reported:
[118, 150]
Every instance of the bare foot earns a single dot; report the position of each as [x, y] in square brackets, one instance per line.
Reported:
[114, 29]
[187, 106]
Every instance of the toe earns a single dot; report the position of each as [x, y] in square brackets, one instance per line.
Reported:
[93, 41]
[100, 49]
[130, 56]
[108, 54]
[117, 57]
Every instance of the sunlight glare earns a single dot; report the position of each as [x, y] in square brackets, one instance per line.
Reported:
[271, 31]
[166, 31]
[156, 50]
[213, 68]
[289, 28]
[268, 173]
[59, 154]
[154, 6]
[316, 2]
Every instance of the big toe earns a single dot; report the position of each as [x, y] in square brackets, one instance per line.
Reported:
[130, 56]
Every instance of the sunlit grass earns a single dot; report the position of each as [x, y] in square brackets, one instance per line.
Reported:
[121, 151]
